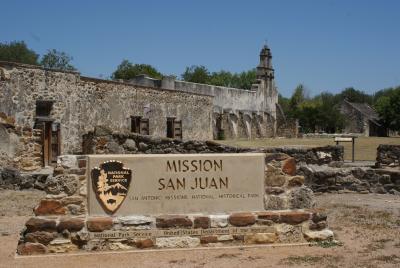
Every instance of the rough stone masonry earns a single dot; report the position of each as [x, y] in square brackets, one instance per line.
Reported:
[62, 222]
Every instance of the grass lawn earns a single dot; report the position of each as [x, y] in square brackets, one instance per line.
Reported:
[365, 147]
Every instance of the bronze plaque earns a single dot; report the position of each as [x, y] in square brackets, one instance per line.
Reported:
[110, 184]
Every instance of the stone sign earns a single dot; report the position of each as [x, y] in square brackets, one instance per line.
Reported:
[175, 183]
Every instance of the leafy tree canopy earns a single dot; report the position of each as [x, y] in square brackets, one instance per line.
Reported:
[388, 107]
[354, 95]
[200, 74]
[59, 60]
[196, 74]
[127, 70]
[17, 51]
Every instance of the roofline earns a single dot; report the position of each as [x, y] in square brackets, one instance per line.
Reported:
[31, 66]
[93, 79]
[369, 117]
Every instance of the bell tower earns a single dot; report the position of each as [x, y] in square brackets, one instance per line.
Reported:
[264, 68]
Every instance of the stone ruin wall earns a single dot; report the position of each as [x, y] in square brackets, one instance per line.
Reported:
[19, 146]
[388, 155]
[105, 141]
[81, 103]
[383, 178]
[355, 121]
[245, 113]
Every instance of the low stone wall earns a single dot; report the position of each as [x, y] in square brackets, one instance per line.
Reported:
[388, 155]
[62, 223]
[354, 179]
[104, 141]
[70, 234]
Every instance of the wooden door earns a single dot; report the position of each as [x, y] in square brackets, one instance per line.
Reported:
[144, 126]
[51, 143]
[46, 141]
[170, 128]
[178, 129]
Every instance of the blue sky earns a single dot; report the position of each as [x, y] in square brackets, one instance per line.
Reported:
[326, 45]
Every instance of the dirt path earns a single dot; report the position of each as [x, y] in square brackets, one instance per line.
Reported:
[367, 225]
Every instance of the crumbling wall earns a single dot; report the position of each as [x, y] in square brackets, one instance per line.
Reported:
[80, 103]
[388, 155]
[19, 146]
[105, 141]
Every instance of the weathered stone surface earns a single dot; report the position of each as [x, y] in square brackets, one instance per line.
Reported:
[40, 237]
[67, 161]
[119, 246]
[62, 246]
[208, 239]
[58, 170]
[202, 222]
[130, 145]
[225, 238]
[260, 238]
[31, 249]
[70, 224]
[99, 224]
[143, 146]
[302, 197]
[242, 219]
[144, 243]
[296, 181]
[82, 163]
[318, 216]
[289, 233]
[318, 235]
[268, 215]
[219, 221]
[37, 224]
[274, 190]
[276, 202]
[289, 166]
[177, 242]
[170, 221]
[135, 220]
[74, 199]
[49, 207]
[275, 156]
[75, 209]
[62, 183]
[318, 226]
[274, 176]
[294, 217]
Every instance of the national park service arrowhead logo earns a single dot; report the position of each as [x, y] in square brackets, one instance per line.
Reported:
[110, 184]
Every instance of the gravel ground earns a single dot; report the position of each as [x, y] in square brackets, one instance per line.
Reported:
[367, 226]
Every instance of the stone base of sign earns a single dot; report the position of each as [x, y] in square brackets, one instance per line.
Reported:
[65, 234]
[62, 225]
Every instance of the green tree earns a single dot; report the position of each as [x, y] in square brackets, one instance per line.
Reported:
[296, 100]
[127, 70]
[59, 60]
[354, 95]
[284, 103]
[246, 79]
[221, 78]
[388, 107]
[17, 51]
[196, 74]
